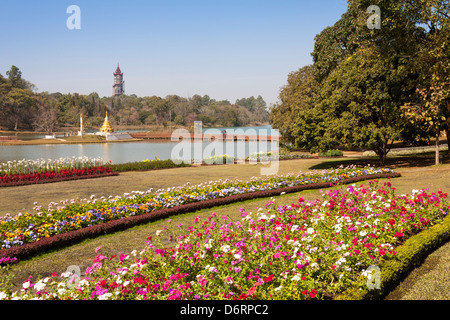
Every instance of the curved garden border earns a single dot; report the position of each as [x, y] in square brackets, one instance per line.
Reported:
[60, 179]
[410, 255]
[69, 238]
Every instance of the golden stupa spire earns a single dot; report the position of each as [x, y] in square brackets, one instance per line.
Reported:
[106, 127]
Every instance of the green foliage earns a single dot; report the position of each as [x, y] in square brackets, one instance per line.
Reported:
[353, 94]
[331, 153]
[146, 165]
[19, 107]
[223, 159]
[295, 97]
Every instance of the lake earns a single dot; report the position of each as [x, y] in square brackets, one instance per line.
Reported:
[122, 152]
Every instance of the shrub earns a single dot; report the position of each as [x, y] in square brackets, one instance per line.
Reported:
[147, 165]
[219, 159]
[331, 153]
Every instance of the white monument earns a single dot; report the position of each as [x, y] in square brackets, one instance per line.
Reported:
[81, 131]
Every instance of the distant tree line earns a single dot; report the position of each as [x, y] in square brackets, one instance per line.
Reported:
[370, 87]
[22, 108]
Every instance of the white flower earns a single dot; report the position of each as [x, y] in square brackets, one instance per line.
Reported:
[126, 283]
[26, 285]
[61, 291]
[212, 269]
[225, 248]
[66, 274]
[39, 286]
[367, 274]
[295, 278]
[310, 230]
[83, 283]
[105, 296]
[3, 295]
[278, 288]
[134, 265]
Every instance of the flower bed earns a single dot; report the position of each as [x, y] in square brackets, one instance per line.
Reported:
[306, 250]
[42, 165]
[54, 176]
[27, 234]
[24, 172]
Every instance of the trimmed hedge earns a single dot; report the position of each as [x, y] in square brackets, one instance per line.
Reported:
[331, 153]
[147, 165]
[59, 179]
[410, 255]
[69, 238]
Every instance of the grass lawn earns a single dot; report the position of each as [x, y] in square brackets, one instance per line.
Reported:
[417, 173]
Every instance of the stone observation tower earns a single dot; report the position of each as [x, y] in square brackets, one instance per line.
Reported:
[119, 84]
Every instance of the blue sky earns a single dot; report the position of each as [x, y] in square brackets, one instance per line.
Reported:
[225, 49]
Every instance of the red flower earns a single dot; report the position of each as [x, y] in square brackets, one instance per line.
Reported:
[313, 293]
[268, 279]
[251, 291]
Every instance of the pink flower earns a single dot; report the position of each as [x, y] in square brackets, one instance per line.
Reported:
[97, 249]
[99, 258]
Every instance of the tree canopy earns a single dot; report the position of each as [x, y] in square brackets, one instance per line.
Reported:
[21, 108]
[362, 79]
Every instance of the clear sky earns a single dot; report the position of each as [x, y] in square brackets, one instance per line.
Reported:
[225, 49]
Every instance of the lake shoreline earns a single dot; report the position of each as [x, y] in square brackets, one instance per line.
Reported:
[61, 141]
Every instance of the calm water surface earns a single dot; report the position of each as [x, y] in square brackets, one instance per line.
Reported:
[122, 152]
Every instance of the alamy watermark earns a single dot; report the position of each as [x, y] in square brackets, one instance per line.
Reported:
[74, 20]
[373, 275]
[236, 145]
[73, 274]
[374, 20]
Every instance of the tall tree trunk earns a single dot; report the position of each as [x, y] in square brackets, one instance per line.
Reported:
[447, 133]
[381, 153]
[437, 147]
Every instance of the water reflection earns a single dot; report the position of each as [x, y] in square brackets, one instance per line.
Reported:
[122, 152]
[130, 151]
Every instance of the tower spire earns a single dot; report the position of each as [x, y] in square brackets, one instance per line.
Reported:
[119, 84]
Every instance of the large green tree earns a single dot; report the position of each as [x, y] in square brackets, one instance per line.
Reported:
[429, 107]
[362, 77]
[16, 100]
[296, 97]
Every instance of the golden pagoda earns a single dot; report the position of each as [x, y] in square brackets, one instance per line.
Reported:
[106, 127]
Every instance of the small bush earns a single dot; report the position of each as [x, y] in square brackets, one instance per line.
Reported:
[146, 165]
[331, 153]
[219, 159]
